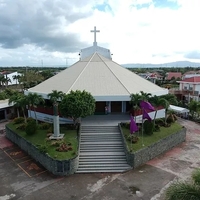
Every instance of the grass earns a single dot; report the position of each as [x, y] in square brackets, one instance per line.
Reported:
[150, 139]
[40, 139]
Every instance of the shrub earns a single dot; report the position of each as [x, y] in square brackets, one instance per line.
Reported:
[148, 127]
[160, 122]
[31, 127]
[132, 138]
[156, 128]
[50, 130]
[30, 119]
[170, 119]
[21, 127]
[18, 120]
[42, 148]
[44, 126]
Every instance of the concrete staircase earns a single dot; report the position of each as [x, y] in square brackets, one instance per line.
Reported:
[101, 150]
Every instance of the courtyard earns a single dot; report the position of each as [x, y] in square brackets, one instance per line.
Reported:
[22, 178]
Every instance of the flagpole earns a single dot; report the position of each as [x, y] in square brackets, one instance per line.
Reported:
[142, 126]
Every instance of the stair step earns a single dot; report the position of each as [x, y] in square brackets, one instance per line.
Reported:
[110, 165]
[85, 171]
[103, 162]
[101, 150]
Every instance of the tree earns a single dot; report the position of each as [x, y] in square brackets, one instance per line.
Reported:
[19, 100]
[156, 101]
[168, 99]
[54, 97]
[185, 190]
[16, 77]
[145, 96]
[135, 102]
[77, 104]
[194, 107]
[33, 100]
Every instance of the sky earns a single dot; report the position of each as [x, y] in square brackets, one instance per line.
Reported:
[52, 32]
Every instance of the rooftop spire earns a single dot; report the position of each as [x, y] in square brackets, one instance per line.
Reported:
[95, 31]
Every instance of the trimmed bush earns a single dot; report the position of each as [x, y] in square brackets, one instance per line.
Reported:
[30, 119]
[31, 127]
[18, 120]
[148, 127]
[21, 127]
[44, 126]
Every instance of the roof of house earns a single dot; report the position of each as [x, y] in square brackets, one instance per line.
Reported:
[192, 79]
[170, 75]
[103, 78]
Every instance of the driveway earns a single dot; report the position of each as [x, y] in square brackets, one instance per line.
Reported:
[22, 178]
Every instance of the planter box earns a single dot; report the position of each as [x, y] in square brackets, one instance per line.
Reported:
[56, 167]
[141, 156]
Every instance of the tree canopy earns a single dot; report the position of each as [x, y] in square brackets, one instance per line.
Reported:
[77, 104]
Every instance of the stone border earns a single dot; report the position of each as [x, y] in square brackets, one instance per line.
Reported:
[141, 156]
[57, 167]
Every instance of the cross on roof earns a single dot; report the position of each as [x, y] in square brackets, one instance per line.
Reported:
[95, 31]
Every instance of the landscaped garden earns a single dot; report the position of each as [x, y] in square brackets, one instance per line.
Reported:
[38, 135]
[138, 140]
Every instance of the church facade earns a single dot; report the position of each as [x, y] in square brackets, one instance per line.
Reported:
[110, 84]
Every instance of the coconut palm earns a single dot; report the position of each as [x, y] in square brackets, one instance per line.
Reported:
[194, 107]
[19, 100]
[16, 77]
[54, 97]
[33, 100]
[145, 96]
[167, 100]
[135, 101]
[156, 101]
[185, 190]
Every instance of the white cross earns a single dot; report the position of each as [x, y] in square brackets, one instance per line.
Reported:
[95, 31]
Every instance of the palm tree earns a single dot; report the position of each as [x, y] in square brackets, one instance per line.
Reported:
[156, 101]
[185, 190]
[19, 100]
[168, 99]
[145, 96]
[54, 97]
[194, 107]
[16, 77]
[135, 101]
[34, 100]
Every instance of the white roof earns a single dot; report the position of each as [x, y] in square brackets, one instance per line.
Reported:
[5, 104]
[178, 109]
[103, 78]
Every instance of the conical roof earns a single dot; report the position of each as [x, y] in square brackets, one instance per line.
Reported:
[103, 78]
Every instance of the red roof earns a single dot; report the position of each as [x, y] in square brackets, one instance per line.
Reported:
[192, 79]
[174, 74]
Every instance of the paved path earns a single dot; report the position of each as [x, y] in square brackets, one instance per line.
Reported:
[145, 183]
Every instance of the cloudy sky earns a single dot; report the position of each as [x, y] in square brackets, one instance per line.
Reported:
[52, 32]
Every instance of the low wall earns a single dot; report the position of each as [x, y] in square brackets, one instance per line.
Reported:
[141, 156]
[57, 167]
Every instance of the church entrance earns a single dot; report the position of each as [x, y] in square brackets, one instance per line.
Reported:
[100, 107]
[116, 106]
[128, 106]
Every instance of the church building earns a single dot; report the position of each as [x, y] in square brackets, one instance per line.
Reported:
[110, 84]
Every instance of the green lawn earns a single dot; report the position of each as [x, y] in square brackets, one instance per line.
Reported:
[40, 139]
[150, 139]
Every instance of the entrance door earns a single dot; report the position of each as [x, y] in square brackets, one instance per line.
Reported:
[2, 115]
[100, 107]
[116, 106]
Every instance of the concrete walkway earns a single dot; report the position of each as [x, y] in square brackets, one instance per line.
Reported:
[147, 182]
[105, 120]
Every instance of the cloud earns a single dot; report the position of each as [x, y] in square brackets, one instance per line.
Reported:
[136, 31]
[193, 55]
[41, 23]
